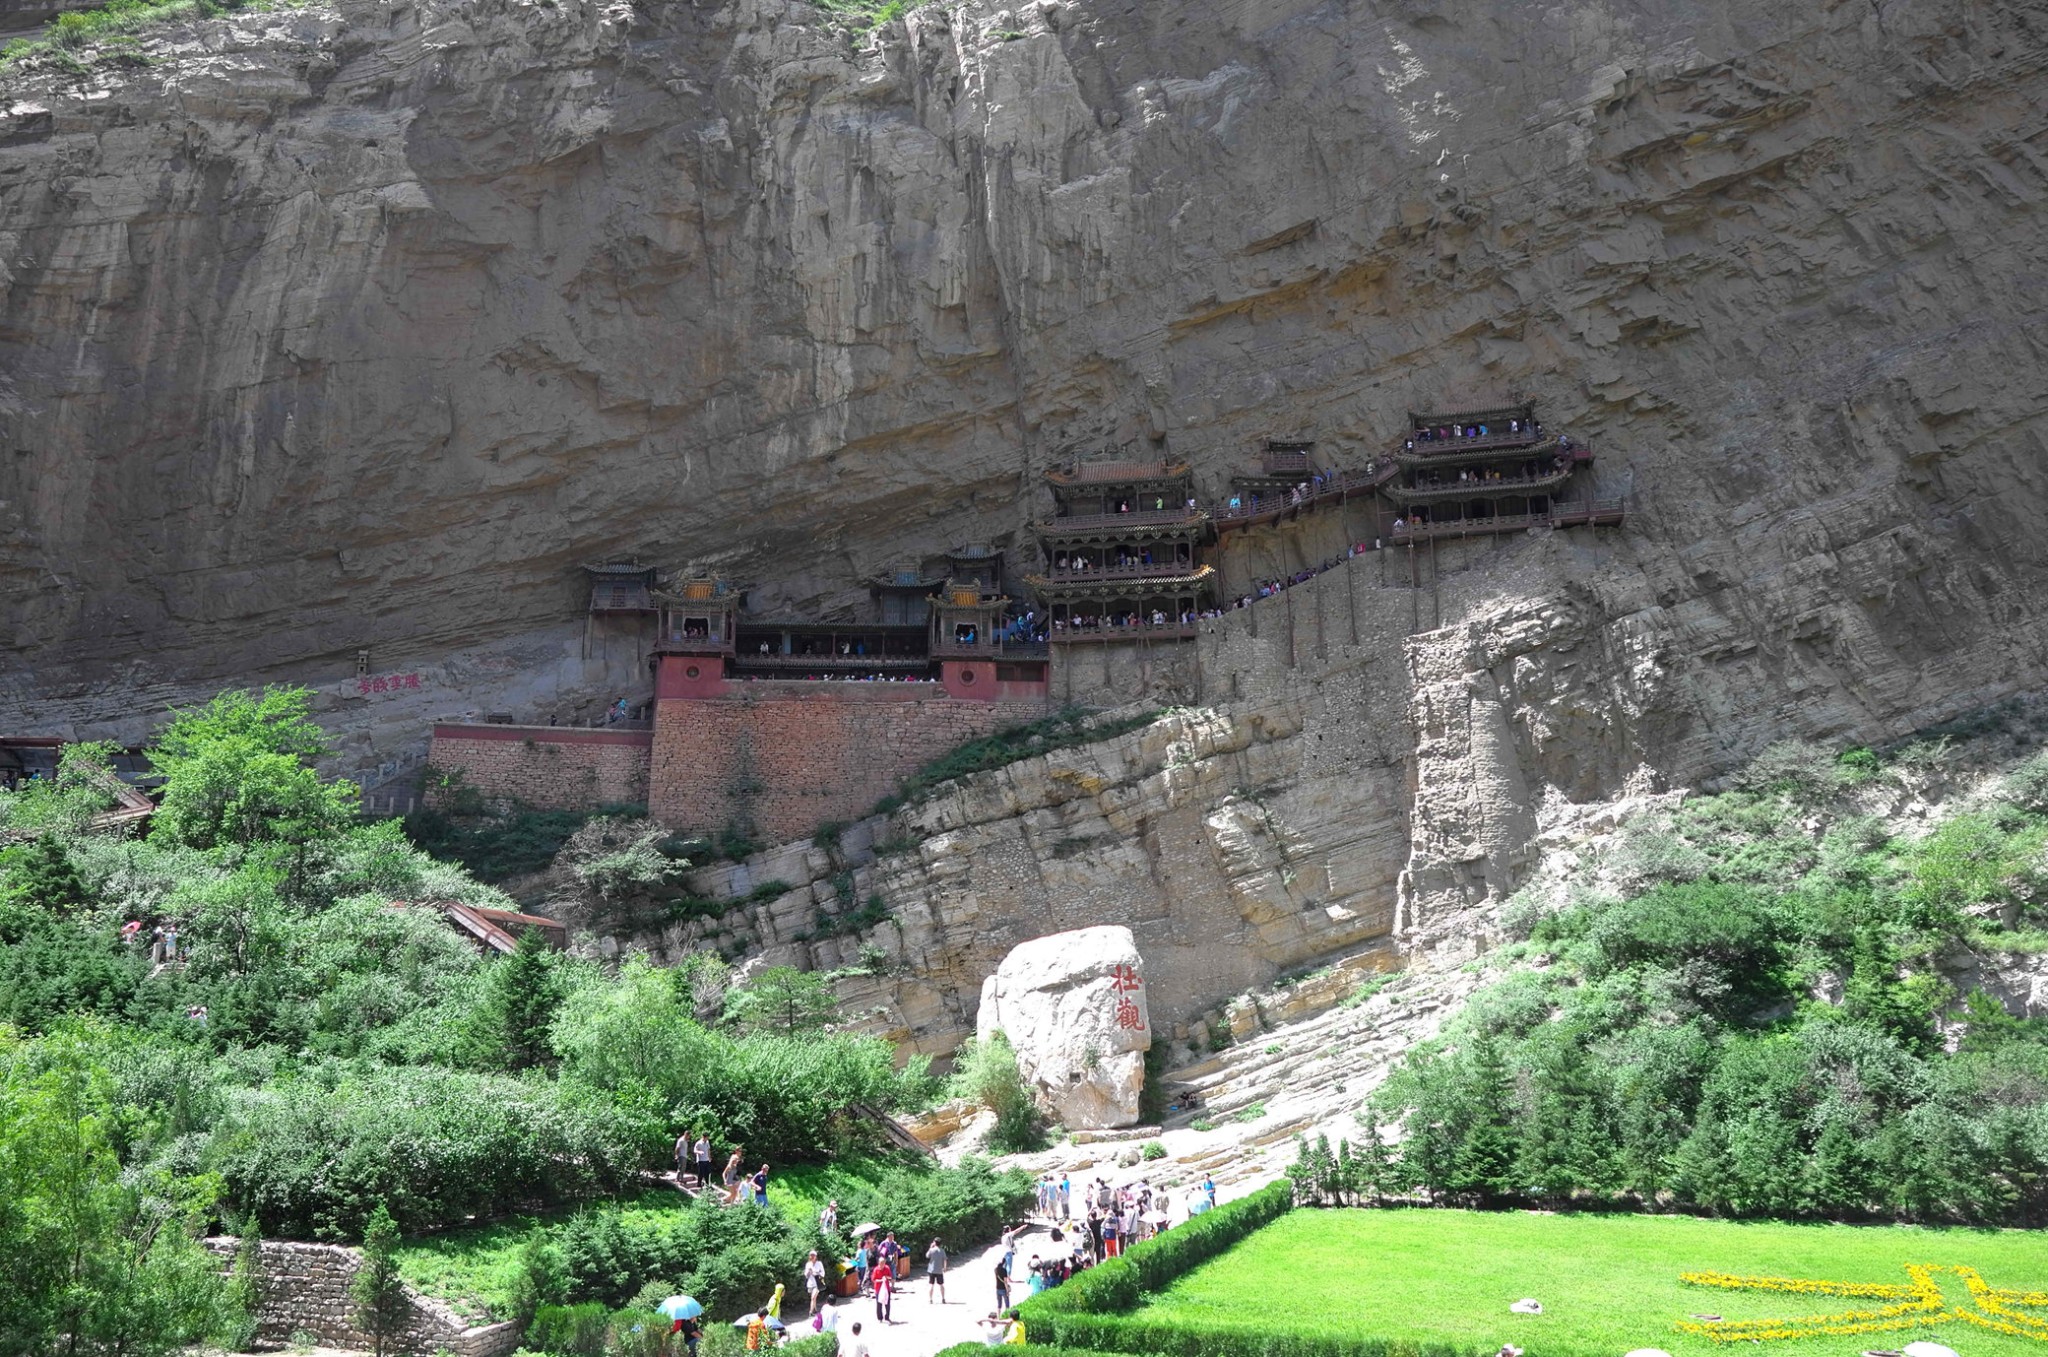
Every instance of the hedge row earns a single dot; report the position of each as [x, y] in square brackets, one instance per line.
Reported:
[1075, 1313]
[1134, 1334]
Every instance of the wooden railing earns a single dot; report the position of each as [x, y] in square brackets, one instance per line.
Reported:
[1167, 570]
[1506, 485]
[1336, 486]
[1581, 513]
[1451, 446]
[830, 661]
[1137, 518]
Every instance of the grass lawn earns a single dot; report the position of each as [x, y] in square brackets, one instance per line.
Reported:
[1608, 1284]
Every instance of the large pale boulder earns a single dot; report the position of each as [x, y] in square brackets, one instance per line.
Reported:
[1073, 1006]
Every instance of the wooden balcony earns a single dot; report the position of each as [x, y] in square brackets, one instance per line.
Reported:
[1583, 513]
[1456, 490]
[1137, 518]
[1337, 488]
[1437, 448]
[1465, 452]
[831, 663]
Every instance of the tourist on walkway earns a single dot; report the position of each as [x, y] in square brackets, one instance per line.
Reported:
[814, 1279]
[1003, 1282]
[757, 1332]
[732, 1176]
[935, 1273]
[702, 1156]
[828, 1219]
[760, 1185]
[774, 1307]
[863, 1264]
[856, 1346]
[885, 1290]
[682, 1157]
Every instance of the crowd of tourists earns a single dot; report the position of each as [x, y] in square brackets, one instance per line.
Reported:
[1086, 1224]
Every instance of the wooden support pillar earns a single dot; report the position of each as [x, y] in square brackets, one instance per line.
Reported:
[1414, 591]
[1436, 602]
[1322, 648]
[1287, 596]
[1351, 596]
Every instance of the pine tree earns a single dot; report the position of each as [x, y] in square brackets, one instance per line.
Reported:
[40, 875]
[376, 1289]
[1377, 1169]
[531, 993]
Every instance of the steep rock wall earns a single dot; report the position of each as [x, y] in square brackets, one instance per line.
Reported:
[357, 326]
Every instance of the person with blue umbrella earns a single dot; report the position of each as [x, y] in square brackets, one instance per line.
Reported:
[685, 1311]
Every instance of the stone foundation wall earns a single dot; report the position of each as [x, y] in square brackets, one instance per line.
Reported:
[779, 759]
[304, 1290]
[545, 766]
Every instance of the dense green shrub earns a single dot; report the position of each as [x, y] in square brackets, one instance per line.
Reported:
[727, 1258]
[782, 1097]
[987, 1073]
[961, 1206]
[309, 1157]
[1678, 1049]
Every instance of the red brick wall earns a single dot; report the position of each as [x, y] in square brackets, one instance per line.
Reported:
[546, 766]
[782, 758]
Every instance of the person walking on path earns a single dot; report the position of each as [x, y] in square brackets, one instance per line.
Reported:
[885, 1290]
[814, 1279]
[863, 1264]
[682, 1157]
[1003, 1282]
[702, 1154]
[935, 1273]
[1066, 1197]
[856, 1346]
[828, 1219]
[732, 1176]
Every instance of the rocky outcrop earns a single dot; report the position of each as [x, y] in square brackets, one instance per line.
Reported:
[1073, 1007]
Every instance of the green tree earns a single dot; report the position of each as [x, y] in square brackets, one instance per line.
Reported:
[376, 1289]
[96, 1262]
[1377, 1171]
[37, 876]
[508, 1029]
[782, 1000]
[987, 1073]
[239, 771]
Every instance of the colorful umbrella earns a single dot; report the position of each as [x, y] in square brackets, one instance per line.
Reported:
[868, 1228]
[679, 1307]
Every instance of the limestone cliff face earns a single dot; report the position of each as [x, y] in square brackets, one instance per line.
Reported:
[358, 326]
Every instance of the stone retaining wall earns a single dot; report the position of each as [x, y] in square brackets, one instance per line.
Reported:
[549, 767]
[779, 759]
[304, 1289]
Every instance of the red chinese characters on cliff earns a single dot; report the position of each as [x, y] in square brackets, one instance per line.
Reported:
[1124, 980]
[392, 684]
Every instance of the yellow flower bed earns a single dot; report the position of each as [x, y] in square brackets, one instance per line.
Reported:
[1919, 1305]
